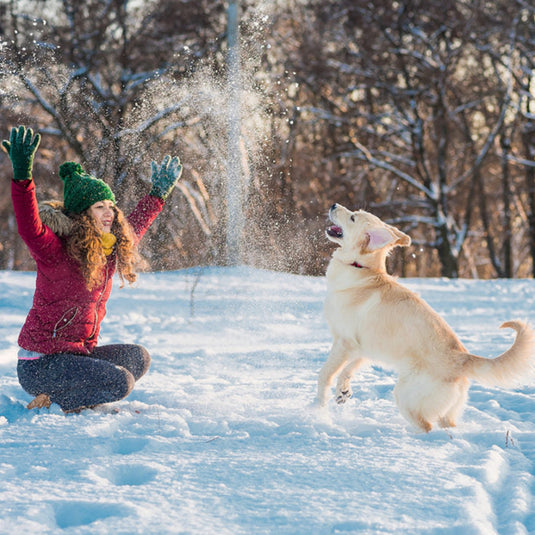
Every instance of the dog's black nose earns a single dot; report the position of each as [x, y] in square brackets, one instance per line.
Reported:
[333, 207]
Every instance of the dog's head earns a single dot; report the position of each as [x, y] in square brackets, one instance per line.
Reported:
[363, 238]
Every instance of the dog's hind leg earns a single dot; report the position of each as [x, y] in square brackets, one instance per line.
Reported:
[460, 394]
[423, 399]
[343, 387]
[338, 357]
[414, 395]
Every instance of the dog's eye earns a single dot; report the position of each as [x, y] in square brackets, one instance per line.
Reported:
[352, 218]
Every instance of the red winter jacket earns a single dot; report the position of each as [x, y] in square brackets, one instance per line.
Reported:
[65, 316]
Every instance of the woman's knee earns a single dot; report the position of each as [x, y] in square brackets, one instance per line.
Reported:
[126, 384]
[144, 361]
[138, 360]
[133, 357]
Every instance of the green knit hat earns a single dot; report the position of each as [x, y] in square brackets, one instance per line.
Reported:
[81, 190]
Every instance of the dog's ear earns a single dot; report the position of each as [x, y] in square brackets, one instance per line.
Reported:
[380, 237]
[403, 240]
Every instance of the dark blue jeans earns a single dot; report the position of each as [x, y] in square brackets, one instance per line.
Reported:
[78, 381]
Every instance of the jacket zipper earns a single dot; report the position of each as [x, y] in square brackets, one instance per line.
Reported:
[98, 303]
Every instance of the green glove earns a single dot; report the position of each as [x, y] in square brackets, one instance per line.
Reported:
[165, 178]
[21, 149]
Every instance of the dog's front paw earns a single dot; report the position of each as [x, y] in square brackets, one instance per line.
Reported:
[343, 396]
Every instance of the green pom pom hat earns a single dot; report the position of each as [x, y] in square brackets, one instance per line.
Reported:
[80, 189]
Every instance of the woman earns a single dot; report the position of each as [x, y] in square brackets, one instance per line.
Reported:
[84, 241]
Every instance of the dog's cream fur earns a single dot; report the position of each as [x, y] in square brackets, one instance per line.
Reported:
[373, 318]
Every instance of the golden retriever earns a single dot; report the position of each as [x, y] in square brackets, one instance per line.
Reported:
[373, 318]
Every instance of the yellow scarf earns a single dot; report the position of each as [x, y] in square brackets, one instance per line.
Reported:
[108, 241]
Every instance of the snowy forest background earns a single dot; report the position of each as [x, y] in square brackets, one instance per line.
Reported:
[422, 112]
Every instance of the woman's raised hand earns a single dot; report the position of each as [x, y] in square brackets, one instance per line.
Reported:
[21, 148]
[165, 177]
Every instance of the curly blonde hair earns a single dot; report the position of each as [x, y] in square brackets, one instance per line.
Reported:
[84, 245]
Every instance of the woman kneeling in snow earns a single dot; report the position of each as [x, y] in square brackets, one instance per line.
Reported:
[78, 245]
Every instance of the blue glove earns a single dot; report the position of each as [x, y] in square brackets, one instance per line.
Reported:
[165, 178]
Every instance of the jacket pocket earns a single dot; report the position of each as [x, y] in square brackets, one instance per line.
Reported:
[64, 321]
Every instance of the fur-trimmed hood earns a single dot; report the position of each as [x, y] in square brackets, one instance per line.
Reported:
[52, 214]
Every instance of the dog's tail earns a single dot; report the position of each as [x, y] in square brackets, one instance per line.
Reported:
[513, 367]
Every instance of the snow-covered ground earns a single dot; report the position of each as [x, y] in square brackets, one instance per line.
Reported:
[221, 435]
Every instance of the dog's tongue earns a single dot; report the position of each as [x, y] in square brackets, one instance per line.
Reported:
[335, 231]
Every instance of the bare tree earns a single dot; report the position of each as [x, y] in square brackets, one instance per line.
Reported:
[406, 105]
[105, 79]
[419, 111]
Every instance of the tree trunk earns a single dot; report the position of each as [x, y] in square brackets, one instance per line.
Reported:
[449, 263]
[505, 143]
[528, 137]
